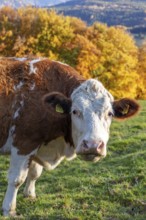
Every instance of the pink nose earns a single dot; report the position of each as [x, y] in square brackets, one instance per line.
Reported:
[92, 147]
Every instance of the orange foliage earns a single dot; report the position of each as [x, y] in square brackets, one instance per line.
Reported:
[108, 53]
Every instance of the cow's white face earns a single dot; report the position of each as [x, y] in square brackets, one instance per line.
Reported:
[91, 114]
[91, 108]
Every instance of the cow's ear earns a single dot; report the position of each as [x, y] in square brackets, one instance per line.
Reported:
[57, 102]
[125, 108]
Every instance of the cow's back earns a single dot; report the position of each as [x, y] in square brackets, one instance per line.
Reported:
[36, 74]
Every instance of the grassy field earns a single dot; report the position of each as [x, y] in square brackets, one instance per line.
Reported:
[112, 189]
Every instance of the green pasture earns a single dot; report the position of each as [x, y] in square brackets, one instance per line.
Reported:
[112, 189]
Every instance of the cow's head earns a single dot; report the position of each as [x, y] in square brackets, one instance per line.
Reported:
[92, 108]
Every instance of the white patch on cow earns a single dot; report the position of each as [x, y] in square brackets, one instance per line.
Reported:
[54, 152]
[91, 118]
[60, 63]
[50, 156]
[21, 59]
[32, 68]
[22, 103]
[16, 114]
[6, 149]
[12, 129]
[91, 89]
[17, 175]
[32, 86]
[69, 152]
[18, 86]
[34, 173]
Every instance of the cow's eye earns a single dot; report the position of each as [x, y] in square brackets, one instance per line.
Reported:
[110, 114]
[76, 112]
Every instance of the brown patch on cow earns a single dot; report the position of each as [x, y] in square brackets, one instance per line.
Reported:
[11, 73]
[125, 108]
[34, 124]
[5, 117]
[53, 76]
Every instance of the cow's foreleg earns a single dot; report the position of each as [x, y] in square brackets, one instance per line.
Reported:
[34, 173]
[17, 175]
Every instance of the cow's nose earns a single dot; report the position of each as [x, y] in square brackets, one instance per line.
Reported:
[85, 145]
[94, 147]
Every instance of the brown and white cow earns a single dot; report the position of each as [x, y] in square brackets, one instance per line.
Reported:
[48, 112]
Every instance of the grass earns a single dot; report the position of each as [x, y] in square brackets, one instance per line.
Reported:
[112, 189]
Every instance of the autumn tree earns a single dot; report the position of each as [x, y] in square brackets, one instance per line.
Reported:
[98, 51]
[141, 69]
[88, 56]
[118, 60]
[82, 53]
[44, 32]
[9, 26]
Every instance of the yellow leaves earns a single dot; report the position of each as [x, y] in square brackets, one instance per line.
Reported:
[52, 56]
[108, 53]
[87, 60]
[5, 34]
[55, 42]
[141, 69]
[2, 47]
[118, 59]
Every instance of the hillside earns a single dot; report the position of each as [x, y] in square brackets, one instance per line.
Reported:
[130, 13]
[37, 3]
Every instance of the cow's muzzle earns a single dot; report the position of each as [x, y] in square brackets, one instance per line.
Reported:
[92, 150]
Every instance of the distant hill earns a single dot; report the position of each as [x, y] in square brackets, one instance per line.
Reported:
[129, 13]
[37, 3]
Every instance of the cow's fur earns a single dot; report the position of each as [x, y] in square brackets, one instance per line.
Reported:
[21, 106]
[32, 91]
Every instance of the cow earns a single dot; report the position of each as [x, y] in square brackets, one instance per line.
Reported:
[49, 112]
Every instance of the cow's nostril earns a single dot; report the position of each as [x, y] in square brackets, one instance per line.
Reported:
[100, 148]
[85, 144]
[101, 145]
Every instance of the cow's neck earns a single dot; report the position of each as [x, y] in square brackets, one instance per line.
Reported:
[63, 78]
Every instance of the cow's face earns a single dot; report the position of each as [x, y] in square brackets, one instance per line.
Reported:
[91, 114]
[91, 108]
